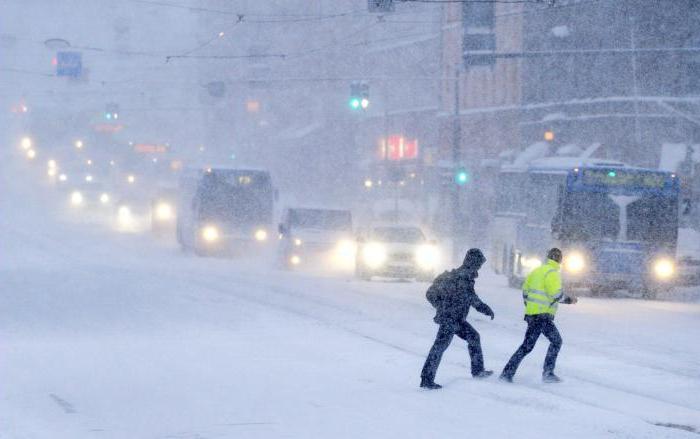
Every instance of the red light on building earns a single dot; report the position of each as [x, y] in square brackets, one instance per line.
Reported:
[398, 148]
[146, 148]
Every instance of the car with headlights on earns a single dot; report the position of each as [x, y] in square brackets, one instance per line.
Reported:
[89, 195]
[316, 237]
[396, 251]
[164, 211]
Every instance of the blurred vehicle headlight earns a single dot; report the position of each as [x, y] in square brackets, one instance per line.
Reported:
[345, 250]
[31, 154]
[51, 164]
[210, 234]
[104, 198]
[664, 268]
[530, 262]
[294, 260]
[62, 177]
[51, 172]
[76, 198]
[374, 254]
[124, 215]
[26, 142]
[164, 212]
[427, 257]
[261, 235]
[130, 179]
[574, 262]
[88, 178]
[297, 242]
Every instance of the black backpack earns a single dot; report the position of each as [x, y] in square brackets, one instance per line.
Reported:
[439, 289]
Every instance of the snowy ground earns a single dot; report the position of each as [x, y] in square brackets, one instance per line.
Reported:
[106, 335]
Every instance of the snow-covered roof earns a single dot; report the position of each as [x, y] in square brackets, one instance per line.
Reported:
[673, 154]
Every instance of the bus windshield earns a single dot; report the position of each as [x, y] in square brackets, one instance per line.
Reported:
[237, 197]
[596, 216]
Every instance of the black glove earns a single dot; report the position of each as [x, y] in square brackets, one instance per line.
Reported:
[487, 311]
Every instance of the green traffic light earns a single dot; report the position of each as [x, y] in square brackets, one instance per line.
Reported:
[612, 174]
[462, 177]
[354, 103]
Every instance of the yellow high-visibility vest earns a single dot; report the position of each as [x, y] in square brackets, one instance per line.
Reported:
[542, 289]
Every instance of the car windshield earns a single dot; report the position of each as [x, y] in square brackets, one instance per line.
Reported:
[320, 219]
[408, 235]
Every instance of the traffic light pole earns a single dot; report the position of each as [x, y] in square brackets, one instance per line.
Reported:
[456, 161]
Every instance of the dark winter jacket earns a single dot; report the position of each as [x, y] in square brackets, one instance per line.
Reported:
[458, 292]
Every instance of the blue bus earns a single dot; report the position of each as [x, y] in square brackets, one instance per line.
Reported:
[617, 225]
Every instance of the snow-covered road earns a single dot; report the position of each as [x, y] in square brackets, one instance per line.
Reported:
[110, 335]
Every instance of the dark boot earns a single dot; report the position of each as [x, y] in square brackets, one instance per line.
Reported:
[430, 385]
[506, 378]
[483, 374]
[549, 377]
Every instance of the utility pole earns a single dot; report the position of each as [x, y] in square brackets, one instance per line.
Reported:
[635, 87]
[456, 161]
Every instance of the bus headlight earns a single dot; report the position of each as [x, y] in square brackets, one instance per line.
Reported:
[164, 212]
[664, 268]
[76, 198]
[427, 257]
[574, 262]
[261, 235]
[374, 255]
[210, 234]
[530, 262]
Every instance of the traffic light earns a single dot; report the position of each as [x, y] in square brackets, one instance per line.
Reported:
[111, 111]
[462, 176]
[359, 95]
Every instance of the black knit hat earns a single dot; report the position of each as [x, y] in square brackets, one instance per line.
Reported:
[474, 258]
[554, 254]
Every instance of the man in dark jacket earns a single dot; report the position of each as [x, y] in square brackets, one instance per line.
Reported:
[452, 295]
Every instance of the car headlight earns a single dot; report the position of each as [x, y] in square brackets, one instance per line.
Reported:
[261, 235]
[104, 198]
[427, 257]
[664, 268]
[374, 255]
[164, 212]
[210, 233]
[574, 262]
[124, 215]
[76, 198]
[530, 262]
[295, 260]
[297, 242]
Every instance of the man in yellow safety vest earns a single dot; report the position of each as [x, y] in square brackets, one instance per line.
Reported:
[542, 294]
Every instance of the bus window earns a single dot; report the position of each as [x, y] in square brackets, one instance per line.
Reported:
[542, 197]
[510, 192]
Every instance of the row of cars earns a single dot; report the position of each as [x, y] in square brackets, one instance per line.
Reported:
[230, 211]
[322, 237]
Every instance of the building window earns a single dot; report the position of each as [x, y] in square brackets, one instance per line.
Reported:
[478, 15]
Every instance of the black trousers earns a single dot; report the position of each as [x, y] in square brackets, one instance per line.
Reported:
[536, 325]
[466, 332]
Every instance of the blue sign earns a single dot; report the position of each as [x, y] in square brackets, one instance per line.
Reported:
[69, 64]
